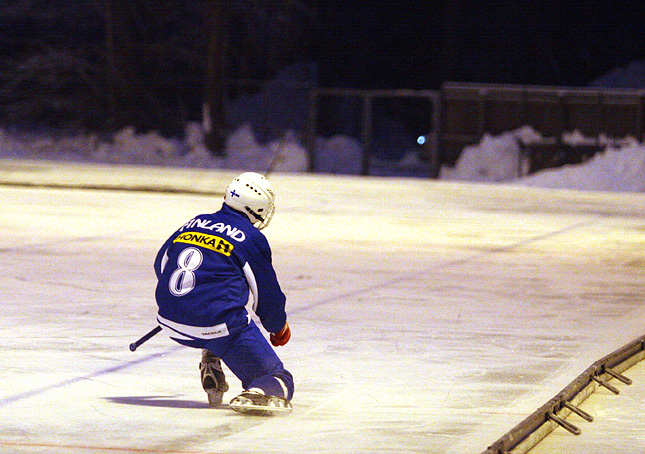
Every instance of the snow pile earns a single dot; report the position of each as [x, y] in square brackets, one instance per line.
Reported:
[619, 167]
[496, 159]
[284, 155]
[614, 169]
[339, 155]
[242, 150]
[127, 146]
[493, 159]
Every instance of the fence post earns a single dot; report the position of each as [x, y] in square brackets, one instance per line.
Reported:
[640, 135]
[436, 133]
[312, 120]
[366, 132]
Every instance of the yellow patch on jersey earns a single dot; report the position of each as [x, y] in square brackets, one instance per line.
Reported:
[212, 242]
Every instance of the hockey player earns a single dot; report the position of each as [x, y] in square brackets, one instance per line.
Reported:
[207, 272]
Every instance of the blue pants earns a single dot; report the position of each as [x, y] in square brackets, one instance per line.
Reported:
[252, 359]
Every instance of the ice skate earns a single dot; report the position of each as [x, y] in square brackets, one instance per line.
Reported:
[259, 404]
[213, 378]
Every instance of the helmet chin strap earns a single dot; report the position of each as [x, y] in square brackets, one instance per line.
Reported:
[254, 214]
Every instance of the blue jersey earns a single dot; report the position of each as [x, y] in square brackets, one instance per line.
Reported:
[209, 270]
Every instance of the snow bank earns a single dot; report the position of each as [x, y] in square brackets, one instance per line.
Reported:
[614, 169]
[620, 167]
[242, 150]
[493, 159]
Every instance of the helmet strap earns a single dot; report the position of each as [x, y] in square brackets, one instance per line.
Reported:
[254, 214]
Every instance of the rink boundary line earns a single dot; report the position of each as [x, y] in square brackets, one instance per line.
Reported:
[108, 187]
[446, 265]
[539, 425]
[100, 448]
[70, 381]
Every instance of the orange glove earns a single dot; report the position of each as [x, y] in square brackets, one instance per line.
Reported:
[282, 337]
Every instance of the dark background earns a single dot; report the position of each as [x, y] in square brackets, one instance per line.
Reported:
[104, 64]
[415, 44]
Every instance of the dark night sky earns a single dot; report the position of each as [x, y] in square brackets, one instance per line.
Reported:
[159, 49]
[415, 44]
[418, 44]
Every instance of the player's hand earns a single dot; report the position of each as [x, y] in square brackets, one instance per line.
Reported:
[282, 337]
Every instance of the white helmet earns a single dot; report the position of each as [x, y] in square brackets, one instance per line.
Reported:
[252, 194]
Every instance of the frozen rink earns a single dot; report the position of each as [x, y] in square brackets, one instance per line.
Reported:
[427, 317]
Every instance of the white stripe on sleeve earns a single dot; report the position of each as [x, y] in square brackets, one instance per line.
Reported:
[253, 285]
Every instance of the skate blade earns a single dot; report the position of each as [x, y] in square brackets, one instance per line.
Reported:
[260, 410]
[215, 398]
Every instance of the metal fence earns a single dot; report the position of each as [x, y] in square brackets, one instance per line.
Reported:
[396, 129]
[470, 110]
[415, 132]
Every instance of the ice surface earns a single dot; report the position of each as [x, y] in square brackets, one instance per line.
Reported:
[426, 316]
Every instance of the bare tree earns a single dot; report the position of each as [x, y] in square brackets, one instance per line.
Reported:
[249, 40]
[214, 116]
[105, 64]
[138, 55]
[46, 76]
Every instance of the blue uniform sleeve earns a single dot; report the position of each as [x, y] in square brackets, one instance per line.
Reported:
[270, 300]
